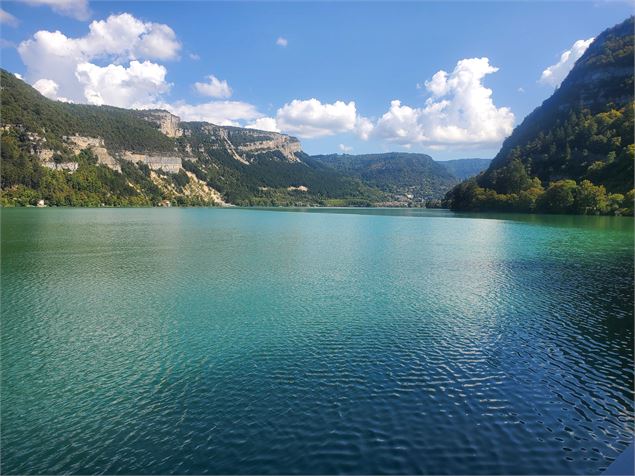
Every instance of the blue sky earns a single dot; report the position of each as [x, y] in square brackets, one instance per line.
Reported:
[270, 59]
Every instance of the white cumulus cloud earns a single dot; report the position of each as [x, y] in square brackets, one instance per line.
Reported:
[134, 86]
[555, 73]
[310, 118]
[460, 111]
[224, 113]
[214, 88]
[119, 39]
[281, 41]
[73, 8]
[345, 148]
[46, 87]
[264, 124]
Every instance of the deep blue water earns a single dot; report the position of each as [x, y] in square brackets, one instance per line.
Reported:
[314, 341]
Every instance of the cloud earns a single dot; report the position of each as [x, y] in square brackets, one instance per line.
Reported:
[363, 127]
[310, 118]
[125, 37]
[264, 124]
[281, 41]
[77, 9]
[555, 73]
[345, 148]
[459, 111]
[115, 64]
[6, 43]
[135, 86]
[194, 57]
[19, 76]
[224, 113]
[46, 87]
[7, 19]
[214, 88]
[119, 39]
[521, 89]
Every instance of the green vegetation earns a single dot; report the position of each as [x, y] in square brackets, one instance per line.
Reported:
[398, 174]
[25, 181]
[31, 122]
[121, 129]
[266, 180]
[575, 153]
[463, 169]
[561, 196]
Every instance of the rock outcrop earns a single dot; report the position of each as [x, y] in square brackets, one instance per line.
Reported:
[168, 123]
[69, 166]
[194, 189]
[96, 146]
[286, 145]
[167, 163]
[247, 145]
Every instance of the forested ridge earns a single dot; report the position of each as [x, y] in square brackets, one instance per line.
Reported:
[31, 122]
[573, 154]
[41, 161]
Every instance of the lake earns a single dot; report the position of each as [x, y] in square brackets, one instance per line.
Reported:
[314, 341]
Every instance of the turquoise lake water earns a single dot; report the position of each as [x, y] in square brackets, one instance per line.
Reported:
[314, 341]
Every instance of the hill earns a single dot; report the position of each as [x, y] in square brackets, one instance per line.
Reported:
[466, 168]
[574, 153]
[404, 176]
[82, 155]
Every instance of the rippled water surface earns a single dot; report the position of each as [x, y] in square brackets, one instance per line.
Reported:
[340, 341]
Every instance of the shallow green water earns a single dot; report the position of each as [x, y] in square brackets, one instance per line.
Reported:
[314, 341]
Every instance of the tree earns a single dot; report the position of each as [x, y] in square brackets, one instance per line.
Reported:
[559, 197]
[590, 199]
[513, 178]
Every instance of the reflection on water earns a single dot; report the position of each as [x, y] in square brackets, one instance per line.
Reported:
[332, 341]
[592, 222]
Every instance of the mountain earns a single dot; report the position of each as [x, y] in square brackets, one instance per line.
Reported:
[466, 168]
[404, 176]
[73, 154]
[574, 153]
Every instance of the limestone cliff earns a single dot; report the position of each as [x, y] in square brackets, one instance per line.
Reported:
[167, 163]
[244, 145]
[168, 123]
[97, 155]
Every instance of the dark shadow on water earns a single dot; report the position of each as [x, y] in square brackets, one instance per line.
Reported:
[599, 223]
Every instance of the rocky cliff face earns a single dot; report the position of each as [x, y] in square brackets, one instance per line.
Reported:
[287, 146]
[169, 124]
[167, 163]
[244, 145]
[114, 156]
[96, 146]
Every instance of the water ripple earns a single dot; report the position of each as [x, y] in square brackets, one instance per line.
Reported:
[260, 342]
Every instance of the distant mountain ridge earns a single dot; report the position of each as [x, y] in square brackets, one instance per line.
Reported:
[83, 155]
[574, 153]
[466, 168]
[76, 154]
[405, 175]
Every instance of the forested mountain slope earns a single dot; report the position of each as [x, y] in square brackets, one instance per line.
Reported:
[574, 153]
[81, 155]
[466, 168]
[397, 173]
